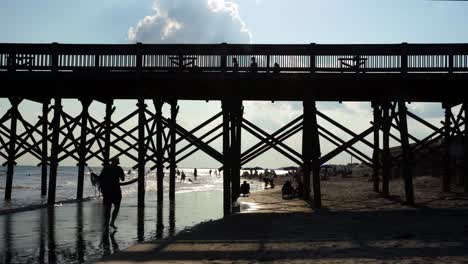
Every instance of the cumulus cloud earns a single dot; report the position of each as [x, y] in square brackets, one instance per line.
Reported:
[194, 21]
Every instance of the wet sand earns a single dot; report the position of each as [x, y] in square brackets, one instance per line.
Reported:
[355, 226]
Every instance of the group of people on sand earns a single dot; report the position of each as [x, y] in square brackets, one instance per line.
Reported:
[288, 191]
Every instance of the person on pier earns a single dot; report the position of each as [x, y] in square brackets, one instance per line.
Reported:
[235, 65]
[109, 181]
[253, 65]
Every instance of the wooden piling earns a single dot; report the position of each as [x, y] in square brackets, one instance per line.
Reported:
[54, 150]
[107, 132]
[306, 149]
[376, 150]
[172, 150]
[159, 150]
[311, 140]
[226, 160]
[465, 182]
[386, 159]
[407, 173]
[141, 152]
[85, 103]
[44, 151]
[11, 162]
[236, 122]
[446, 159]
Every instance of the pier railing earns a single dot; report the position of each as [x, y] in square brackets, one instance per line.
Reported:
[366, 58]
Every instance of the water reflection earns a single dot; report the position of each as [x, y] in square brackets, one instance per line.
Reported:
[108, 240]
[7, 240]
[52, 258]
[159, 220]
[42, 235]
[141, 225]
[80, 242]
[172, 220]
[73, 233]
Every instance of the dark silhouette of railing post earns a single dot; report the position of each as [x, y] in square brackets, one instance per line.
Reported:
[406, 154]
[386, 159]
[226, 159]
[141, 152]
[44, 151]
[54, 150]
[159, 149]
[82, 146]
[11, 162]
[446, 158]
[376, 150]
[172, 149]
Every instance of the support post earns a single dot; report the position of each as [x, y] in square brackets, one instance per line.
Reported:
[376, 152]
[54, 150]
[311, 140]
[11, 162]
[226, 159]
[465, 182]
[386, 160]
[107, 135]
[236, 122]
[141, 152]
[172, 150]
[306, 150]
[159, 150]
[446, 160]
[82, 150]
[44, 151]
[407, 175]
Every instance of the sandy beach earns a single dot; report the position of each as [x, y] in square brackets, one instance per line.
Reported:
[355, 226]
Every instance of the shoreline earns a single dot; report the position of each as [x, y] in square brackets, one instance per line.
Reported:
[41, 206]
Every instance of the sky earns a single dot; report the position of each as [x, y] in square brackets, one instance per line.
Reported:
[239, 21]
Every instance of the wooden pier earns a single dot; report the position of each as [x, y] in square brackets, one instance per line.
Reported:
[388, 75]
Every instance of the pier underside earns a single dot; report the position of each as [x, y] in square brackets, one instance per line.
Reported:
[411, 87]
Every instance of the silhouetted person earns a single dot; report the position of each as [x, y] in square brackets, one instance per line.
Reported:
[299, 189]
[276, 68]
[235, 65]
[182, 177]
[253, 66]
[195, 173]
[245, 188]
[109, 180]
[287, 191]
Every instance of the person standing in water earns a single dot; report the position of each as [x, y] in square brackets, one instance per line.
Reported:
[109, 181]
[195, 173]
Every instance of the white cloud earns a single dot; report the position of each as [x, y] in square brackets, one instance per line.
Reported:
[194, 21]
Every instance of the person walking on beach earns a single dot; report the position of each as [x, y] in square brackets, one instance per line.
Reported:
[182, 177]
[109, 181]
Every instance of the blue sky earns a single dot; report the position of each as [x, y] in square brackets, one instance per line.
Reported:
[270, 21]
[266, 21]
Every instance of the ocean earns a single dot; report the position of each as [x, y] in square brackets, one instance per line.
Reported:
[73, 233]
